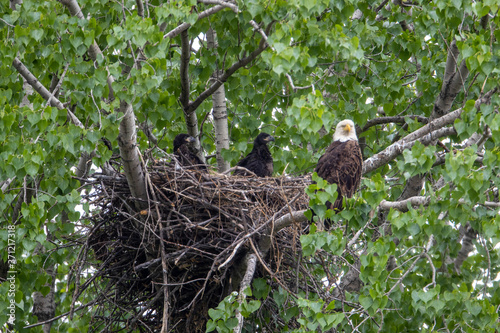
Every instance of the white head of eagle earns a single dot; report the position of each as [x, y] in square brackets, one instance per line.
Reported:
[345, 131]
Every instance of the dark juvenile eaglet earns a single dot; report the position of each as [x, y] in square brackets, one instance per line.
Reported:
[342, 163]
[259, 160]
[184, 155]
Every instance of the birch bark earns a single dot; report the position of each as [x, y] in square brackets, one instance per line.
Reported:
[219, 111]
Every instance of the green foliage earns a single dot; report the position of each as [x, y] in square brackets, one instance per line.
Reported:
[319, 193]
[223, 317]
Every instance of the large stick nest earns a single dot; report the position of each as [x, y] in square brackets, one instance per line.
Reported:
[208, 222]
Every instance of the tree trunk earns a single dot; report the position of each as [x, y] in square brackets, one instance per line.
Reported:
[219, 111]
[127, 140]
[189, 115]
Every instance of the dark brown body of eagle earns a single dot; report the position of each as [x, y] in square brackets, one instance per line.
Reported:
[259, 160]
[184, 154]
[342, 164]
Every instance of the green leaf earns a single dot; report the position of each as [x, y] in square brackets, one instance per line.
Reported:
[365, 301]
[211, 325]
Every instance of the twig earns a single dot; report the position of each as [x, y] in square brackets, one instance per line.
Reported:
[176, 31]
[62, 315]
[427, 248]
[233, 6]
[58, 86]
[39, 88]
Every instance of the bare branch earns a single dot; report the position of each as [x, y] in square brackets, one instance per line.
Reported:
[5, 184]
[261, 32]
[236, 167]
[427, 248]
[467, 247]
[451, 61]
[194, 131]
[453, 82]
[426, 134]
[140, 8]
[223, 78]
[288, 219]
[89, 304]
[39, 88]
[404, 204]
[397, 148]
[184, 68]
[251, 264]
[417, 201]
[58, 86]
[389, 120]
[73, 7]
[381, 6]
[175, 32]
[227, 4]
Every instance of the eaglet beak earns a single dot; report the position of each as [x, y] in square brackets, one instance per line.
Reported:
[269, 138]
[190, 139]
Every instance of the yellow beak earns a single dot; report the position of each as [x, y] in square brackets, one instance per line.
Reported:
[347, 127]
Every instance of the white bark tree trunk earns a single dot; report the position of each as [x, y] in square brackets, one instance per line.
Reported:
[219, 111]
[127, 141]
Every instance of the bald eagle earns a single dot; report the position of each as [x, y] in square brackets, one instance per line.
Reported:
[184, 154]
[342, 163]
[259, 160]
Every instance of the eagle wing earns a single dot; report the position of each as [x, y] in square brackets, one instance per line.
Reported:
[258, 161]
[188, 158]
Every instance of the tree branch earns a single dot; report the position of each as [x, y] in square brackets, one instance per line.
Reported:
[467, 247]
[55, 91]
[184, 68]
[426, 250]
[417, 201]
[176, 31]
[451, 62]
[223, 78]
[39, 88]
[404, 204]
[94, 50]
[251, 264]
[75, 10]
[227, 4]
[425, 135]
[390, 120]
[130, 155]
[396, 149]
[140, 8]
[453, 82]
[288, 219]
